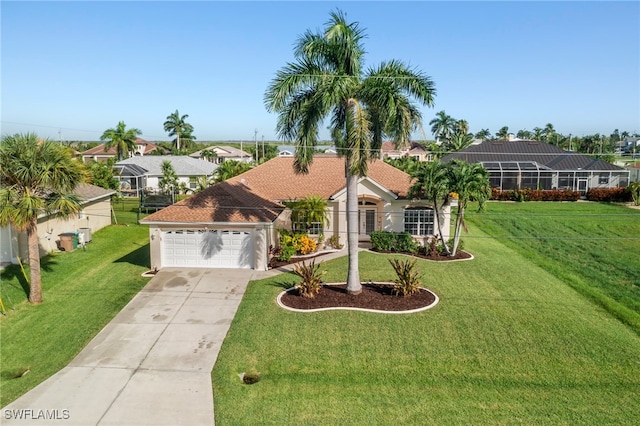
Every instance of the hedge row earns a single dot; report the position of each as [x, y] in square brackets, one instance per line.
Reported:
[594, 194]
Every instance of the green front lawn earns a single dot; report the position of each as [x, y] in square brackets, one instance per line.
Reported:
[509, 343]
[83, 291]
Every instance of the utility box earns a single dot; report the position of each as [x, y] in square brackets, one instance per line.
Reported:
[68, 241]
[87, 234]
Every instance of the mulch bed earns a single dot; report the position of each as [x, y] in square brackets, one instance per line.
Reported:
[438, 258]
[275, 263]
[373, 296]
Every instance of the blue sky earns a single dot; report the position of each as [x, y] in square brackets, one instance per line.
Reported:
[80, 67]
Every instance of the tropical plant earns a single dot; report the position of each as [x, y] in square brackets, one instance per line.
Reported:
[38, 177]
[503, 133]
[122, 138]
[102, 174]
[538, 134]
[169, 180]
[178, 127]
[209, 155]
[483, 134]
[458, 142]
[229, 169]
[309, 211]
[407, 280]
[524, 134]
[470, 182]
[634, 188]
[548, 131]
[461, 127]
[432, 183]
[327, 80]
[442, 126]
[311, 278]
[202, 183]
[406, 164]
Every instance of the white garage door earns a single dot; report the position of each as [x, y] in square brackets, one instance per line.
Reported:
[207, 248]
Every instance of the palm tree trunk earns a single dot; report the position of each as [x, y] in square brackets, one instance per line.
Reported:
[437, 212]
[353, 274]
[35, 281]
[456, 237]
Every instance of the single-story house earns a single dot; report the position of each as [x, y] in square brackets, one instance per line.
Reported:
[538, 165]
[233, 223]
[144, 173]
[224, 153]
[99, 153]
[95, 215]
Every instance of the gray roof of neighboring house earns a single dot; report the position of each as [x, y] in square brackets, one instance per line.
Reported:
[183, 165]
[544, 154]
[88, 192]
[224, 151]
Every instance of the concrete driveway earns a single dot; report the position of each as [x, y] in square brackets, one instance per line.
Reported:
[151, 365]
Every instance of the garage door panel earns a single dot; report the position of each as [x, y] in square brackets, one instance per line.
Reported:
[207, 248]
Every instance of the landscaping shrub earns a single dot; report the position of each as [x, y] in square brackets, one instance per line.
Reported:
[620, 195]
[408, 277]
[401, 242]
[382, 240]
[311, 276]
[528, 194]
[334, 242]
[286, 253]
[307, 245]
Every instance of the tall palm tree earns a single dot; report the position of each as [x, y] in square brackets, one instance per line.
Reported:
[548, 131]
[524, 134]
[432, 183]
[470, 182]
[483, 134]
[327, 80]
[37, 177]
[538, 133]
[503, 133]
[462, 127]
[122, 138]
[178, 127]
[442, 126]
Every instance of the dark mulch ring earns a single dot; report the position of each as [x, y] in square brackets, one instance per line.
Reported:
[275, 263]
[374, 296]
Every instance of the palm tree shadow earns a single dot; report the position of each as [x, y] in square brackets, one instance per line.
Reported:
[12, 273]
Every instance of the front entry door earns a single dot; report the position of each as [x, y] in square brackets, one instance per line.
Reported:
[582, 186]
[367, 220]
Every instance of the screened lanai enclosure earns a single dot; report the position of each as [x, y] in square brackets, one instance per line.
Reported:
[522, 164]
[511, 175]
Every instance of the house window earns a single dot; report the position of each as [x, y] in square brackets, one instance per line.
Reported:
[418, 220]
[603, 179]
[312, 228]
[192, 182]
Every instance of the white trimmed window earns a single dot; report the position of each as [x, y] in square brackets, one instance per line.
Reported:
[418, 220]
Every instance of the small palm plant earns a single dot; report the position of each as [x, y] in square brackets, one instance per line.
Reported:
[408, 277]
[311, 278]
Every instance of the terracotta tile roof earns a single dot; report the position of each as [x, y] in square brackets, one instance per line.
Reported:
[276, 179]
[222, 202]
[254, 195]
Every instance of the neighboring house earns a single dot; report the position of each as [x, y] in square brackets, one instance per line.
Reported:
[415, 150]
[141, 173]
[232, 224]
[99, 153]
[539, 165]
[634, 172]
[286, 152]
[224, 153]
[94, 215]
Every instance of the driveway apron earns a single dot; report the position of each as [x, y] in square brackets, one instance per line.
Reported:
[151, 365]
